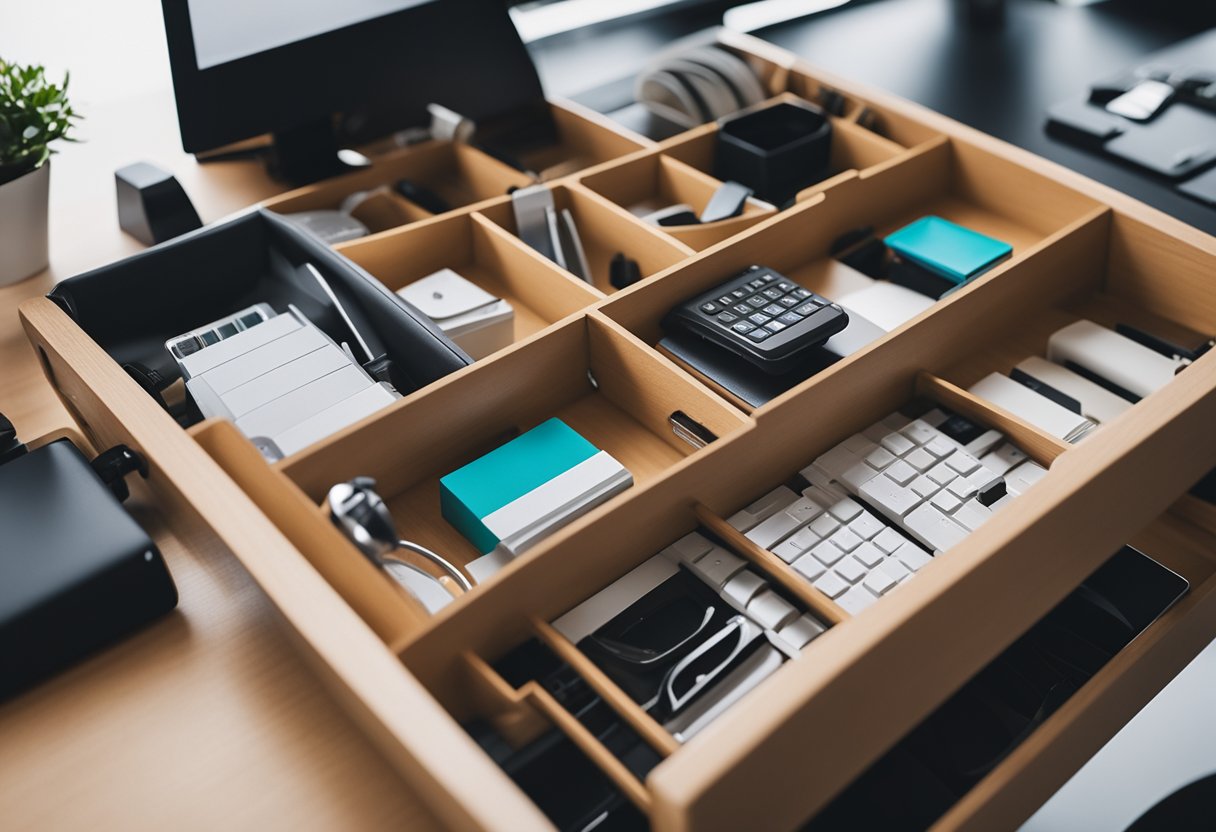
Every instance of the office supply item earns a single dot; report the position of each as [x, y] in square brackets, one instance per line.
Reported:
[279, 378]
[569, 246]
[693, 83]
[152, 205]
[761, 317]
[1037, 409]
[1195, 346]
[1178, 143]
[1108, 358]
[330, 227]
[887, 305]
[623, 271]
[947, 249]
[76, 572]
[361, 514]
[935, 478]
[549, 231]
[667, 634]
[727, 201]
[834, 542]
[421, 196]
[776, 151]
[512, 497]
[478, 322]
[1097, 403]
[1079, 123]
[223, 58]
[690, 430]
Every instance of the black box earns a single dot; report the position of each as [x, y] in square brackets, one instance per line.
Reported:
[76, 572]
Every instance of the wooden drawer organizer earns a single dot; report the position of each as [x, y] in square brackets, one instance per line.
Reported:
[586, 354]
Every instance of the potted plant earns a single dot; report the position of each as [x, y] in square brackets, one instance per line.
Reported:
[33, 113]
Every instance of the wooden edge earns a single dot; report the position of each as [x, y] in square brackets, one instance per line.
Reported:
[391, 612]
[1043, 448]
[71, 434]
[602, 121]
[773, 566]
[1197, 512]
[515, 718]
[602, 202]
[452, 775]
[569, 282]
[696, 374]
[655, 734]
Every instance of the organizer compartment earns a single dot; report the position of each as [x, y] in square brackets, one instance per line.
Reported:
[460, 175]
[957, 182]
[654, 181]
[604, 232]
[610, 390]
[854, 149]
[539, 292]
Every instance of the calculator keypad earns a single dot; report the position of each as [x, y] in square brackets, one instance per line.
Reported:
[768, 303]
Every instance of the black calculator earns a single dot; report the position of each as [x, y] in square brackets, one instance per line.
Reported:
[761, 316]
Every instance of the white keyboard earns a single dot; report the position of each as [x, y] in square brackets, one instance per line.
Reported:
[930, 487]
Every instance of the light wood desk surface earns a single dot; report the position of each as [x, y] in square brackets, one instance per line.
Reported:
[208, 719]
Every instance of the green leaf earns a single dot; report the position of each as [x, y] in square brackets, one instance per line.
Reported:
[34, 113]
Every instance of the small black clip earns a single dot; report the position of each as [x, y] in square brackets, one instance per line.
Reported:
[114, 465]
[10, 446]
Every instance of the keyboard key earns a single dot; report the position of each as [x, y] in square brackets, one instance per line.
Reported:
[759, 319]
[869, 554]
[889, 496]
[789, 302]
[942, 474]
[740, 589]
[1003, 459]
[760, 510]
[856, 600]
[876, 432]
[824, 525]
[711, 308]
[717, 567]
[809, 567]
[830, 584]
[937, 530]
[940, 447]
[925, 487]
[920, 432]
[921, 460]
[972, 514]
[889, 540]
[851, 569]
[880, 458]
[827, 553]
[893, 569]
[801, 631]
[961, 488]
[772, 293]
[774, 310]
[758, 334]
[804, 509]
[1023, 476]
[742, 308]
[858, 475]
[790, 318]
[775, 326]
[771, 611]
[963, 462]
[912, 556]
[835, 462]
[946, 501]
[845, 539]
[984, 443]
[897, 443]
[727, 318]
[845, 510]
[688, 548]
[901, 472]
[859, 444]
[879, 581]
[866, 525]
[757, 302]
[796, 545]
[775, 529]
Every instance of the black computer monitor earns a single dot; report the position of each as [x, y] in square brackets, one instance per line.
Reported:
[318, 73]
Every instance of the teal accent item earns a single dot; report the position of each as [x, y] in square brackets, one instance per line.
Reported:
[947, 249]
[469, 494]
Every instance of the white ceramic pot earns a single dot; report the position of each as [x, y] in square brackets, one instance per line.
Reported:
[23, 220]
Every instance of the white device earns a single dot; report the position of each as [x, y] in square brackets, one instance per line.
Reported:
[477, 321]
[1097, 403]
[1113, 357]
[281, 380]
[886, 304]
[1035, 408]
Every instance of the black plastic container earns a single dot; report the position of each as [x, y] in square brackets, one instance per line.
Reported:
[776, 151]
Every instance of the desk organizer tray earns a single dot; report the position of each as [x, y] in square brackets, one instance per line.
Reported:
[438, 693]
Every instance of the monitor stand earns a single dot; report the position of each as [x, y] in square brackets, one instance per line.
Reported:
[310, 153]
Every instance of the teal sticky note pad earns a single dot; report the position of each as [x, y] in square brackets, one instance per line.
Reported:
[469, 494]
[946, 248]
